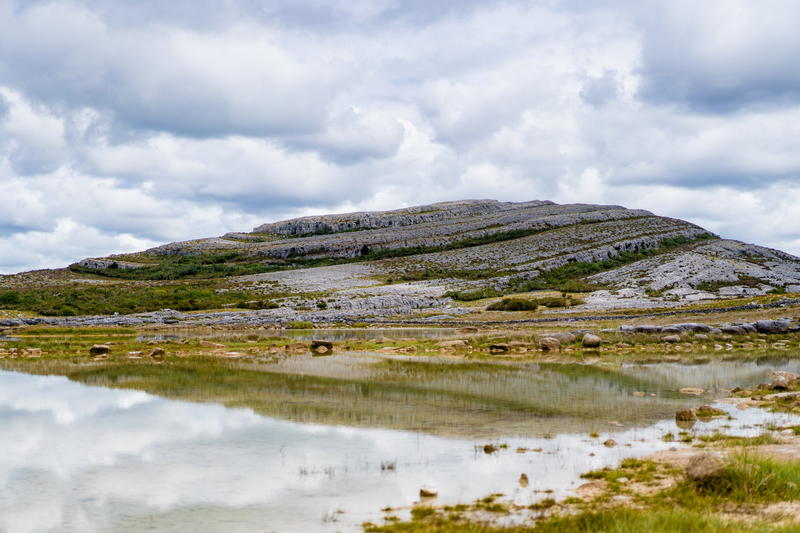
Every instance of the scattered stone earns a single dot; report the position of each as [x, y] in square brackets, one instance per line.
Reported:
[550, 344]
[686, 415]
[157, 353]
[696, 391]
[458, 343]
[322, 347]
[428, 492]
[100, 349]
[704, 468]
[591, 340]
[564, 337]
[671, 338]
[780, 325]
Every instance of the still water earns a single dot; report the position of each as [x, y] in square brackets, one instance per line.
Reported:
[85, 458]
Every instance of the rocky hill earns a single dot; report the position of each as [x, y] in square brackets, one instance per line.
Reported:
[439, 258]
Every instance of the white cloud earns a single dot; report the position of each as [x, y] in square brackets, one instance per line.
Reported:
[145, 123]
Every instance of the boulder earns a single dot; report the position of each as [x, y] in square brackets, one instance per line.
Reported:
[564, 337]
[499, 348]
[428, 492]
[780, 325]
[704, 468]
[694, 327]
[686, 415]
[456, 344]
[671, 330]
[671, 338]
[696, 391]
[610, 443]
[550, 344]
[732, 330]
[591, 340]
[100, 349]
[157, 353]
[321, 347]
[523, 480]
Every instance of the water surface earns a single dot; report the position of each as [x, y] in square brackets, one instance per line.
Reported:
[75, 457]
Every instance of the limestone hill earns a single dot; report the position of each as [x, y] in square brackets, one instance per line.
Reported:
[436, 259]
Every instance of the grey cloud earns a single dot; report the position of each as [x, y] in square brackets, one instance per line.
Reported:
[719, 56]
[243, 81]
[599, 90]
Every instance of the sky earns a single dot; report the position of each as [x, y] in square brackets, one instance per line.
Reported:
[124, 125]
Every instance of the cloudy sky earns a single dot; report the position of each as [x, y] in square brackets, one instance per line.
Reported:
[128, 124]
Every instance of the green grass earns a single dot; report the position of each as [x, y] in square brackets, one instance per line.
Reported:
[532, 304]
[686, 508]
[747, 479]
[171, 267]
[613, 520]
[109, 299]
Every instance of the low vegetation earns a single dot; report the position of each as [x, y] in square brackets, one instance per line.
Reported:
[110, 299]
[571, 276]
[723, 503]
[532, 304]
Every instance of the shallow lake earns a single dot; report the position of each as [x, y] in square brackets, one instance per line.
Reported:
[79, 457]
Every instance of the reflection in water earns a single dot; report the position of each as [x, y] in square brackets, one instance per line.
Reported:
[457, 399]
[79, 458]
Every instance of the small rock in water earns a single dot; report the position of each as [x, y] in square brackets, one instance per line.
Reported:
[499, 348]
[321, 347]
[157, 353]
[696, 391]
[686, 415]
[523, 480]
[489, 448]
[610, 443]
[638, 393]
[428, 492]
[100, 349]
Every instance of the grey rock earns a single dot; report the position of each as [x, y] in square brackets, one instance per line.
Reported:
[591, 341]
[704, 468]
[550, 344]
